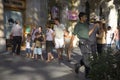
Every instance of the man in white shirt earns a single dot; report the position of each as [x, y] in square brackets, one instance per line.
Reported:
[17, 33]
[59, 37]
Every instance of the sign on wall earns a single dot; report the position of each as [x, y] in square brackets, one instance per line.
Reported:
[72, 15]
[14, 3]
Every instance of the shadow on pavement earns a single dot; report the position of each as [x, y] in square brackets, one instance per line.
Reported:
[22, 68]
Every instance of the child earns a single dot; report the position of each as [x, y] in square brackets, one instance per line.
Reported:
[67, 38]
[37, 47]
[109, 37]
[28, 46]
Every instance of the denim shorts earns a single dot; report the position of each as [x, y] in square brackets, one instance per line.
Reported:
[28, 50]
[37, 51]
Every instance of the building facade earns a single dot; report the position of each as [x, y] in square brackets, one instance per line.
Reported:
[28, 12]
[39, 12]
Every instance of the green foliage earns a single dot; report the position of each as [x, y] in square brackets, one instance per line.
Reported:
[106, 66]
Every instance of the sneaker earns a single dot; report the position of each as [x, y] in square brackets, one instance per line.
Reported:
[77, 66]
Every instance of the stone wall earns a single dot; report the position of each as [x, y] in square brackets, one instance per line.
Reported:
[2, 36]
[36, 12]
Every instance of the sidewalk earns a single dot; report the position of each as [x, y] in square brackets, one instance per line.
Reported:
[22, 68]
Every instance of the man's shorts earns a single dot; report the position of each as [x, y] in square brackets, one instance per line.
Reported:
[37, 51]
[59, 43]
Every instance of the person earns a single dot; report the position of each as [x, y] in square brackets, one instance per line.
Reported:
[37, 46]
[59, 37]
[117, 38]
[17, 34]
[28, 46]
[49, 43]
[101, 38]
[81, 29]
[109, 37]
[32, 33]
[92, 37]
[40, 31]
[67, 38]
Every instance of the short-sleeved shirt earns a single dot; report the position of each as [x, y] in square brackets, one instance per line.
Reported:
[28, 44]
[49, 36]
[17, 30]
[59, 31]
[81, 30]
[33, 33]
[109, 36]
[37, 43]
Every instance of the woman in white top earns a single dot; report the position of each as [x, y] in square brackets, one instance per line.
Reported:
[49, 43]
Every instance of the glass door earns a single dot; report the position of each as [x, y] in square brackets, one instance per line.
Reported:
[9, 18]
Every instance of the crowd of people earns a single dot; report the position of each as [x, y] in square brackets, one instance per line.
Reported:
[54, 37]
[94, 38]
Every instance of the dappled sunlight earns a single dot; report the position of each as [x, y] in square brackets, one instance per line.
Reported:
[27, 68]
[2, 44]
[36, 16]
[93, 15]
[58, 71]
[1, 17]
[75, 3]
[38, 12]
[1, 33]
[112, 19]
[1, 26]
[1, 12]
[33, 16]
[35, 9]
[24, 77]
[1, 22]
[2, 37]
[7, 71]
[110, 3]
[20, 67]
